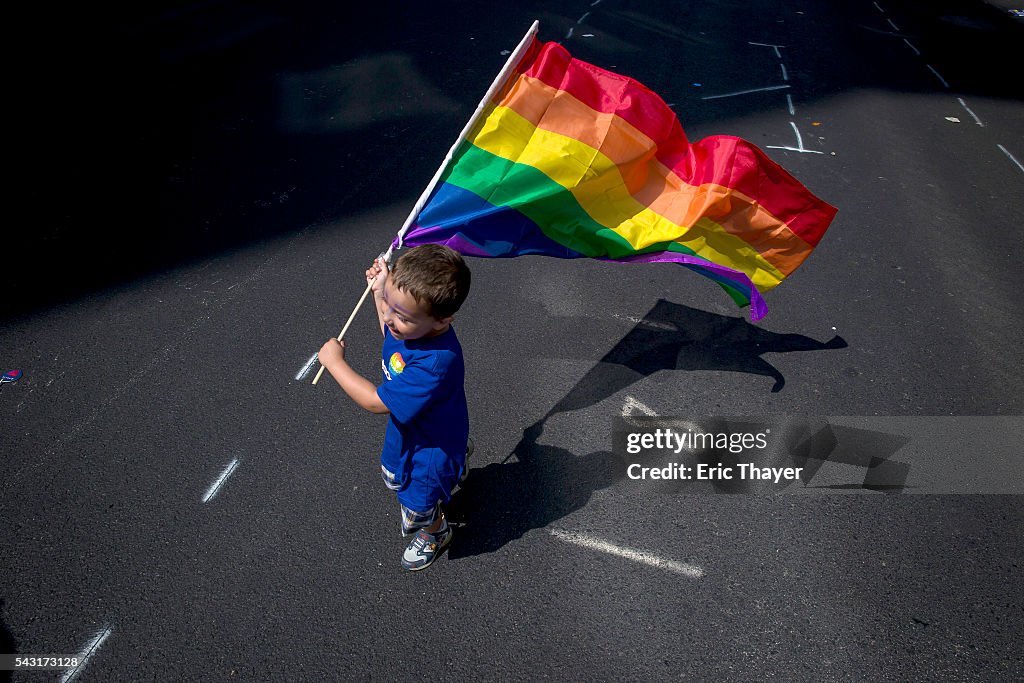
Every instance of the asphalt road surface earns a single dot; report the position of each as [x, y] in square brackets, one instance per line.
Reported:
[199, 188]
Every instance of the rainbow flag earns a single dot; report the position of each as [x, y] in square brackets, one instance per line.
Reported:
[573, 161]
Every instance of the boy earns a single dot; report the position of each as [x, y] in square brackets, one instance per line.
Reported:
[422, 391]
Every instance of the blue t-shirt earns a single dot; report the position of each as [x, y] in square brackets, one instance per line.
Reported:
[425, 442]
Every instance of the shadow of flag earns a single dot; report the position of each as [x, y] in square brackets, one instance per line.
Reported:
[676, 337]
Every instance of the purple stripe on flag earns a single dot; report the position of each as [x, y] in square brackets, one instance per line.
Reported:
[438, 236]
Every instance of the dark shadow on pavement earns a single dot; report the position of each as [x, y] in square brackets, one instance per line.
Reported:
[8, 645]
[500, 502]
[676, 337]
[865, 450]
[538, 484]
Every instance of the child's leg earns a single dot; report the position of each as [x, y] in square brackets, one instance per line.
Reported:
[430, 521]
[433, 537]
[432, 479]
[439, 523]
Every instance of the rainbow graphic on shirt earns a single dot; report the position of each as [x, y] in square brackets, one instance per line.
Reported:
[397, 363]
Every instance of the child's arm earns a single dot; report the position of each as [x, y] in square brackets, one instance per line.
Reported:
[378, 273]
[360, 389]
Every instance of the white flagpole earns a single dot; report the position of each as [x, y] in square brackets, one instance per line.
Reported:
[510, 64]
[498, 82]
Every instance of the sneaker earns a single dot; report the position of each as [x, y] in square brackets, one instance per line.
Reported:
[424, 549]
[465, 468]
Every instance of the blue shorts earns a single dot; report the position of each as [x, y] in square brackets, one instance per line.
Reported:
[424, 480]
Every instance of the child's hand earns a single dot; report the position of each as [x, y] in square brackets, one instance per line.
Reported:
[378, 273]
[332, 351]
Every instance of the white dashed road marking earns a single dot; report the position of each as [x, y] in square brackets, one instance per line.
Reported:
[687, 570]
[88, 651]
[215, 486]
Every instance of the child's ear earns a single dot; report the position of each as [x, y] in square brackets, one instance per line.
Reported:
[441, 323]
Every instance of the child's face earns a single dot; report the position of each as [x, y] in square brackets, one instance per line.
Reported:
[407, 318]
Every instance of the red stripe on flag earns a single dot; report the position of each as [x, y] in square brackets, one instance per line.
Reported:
[723, 160]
